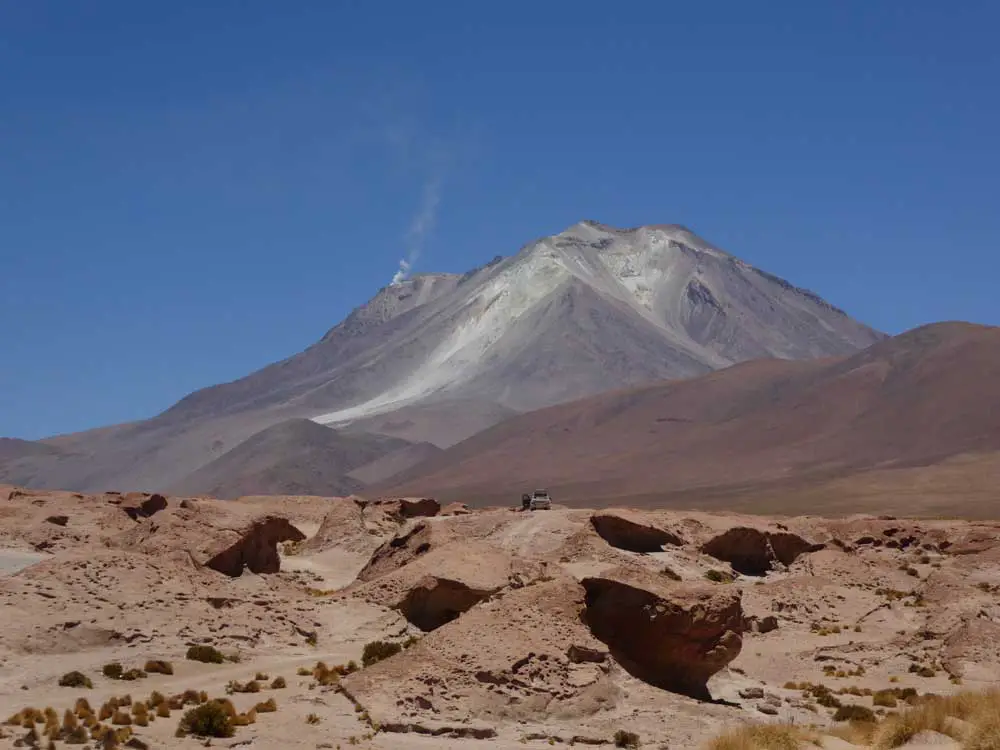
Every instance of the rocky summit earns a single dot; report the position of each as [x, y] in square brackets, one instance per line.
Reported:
[307, 622]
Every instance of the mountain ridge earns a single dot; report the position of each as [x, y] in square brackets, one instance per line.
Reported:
[570, 315]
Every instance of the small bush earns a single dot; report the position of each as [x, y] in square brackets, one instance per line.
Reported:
[261, 677]
[759, 737]
[163, 710]
[312, 719]
[885, 699]
[303, 671]
[376, 651]
[121, 718]
[719, 576]
[207, 720]
[75, 680]
[132, 674]
[158, 666]
[853, 712]
[268, 706]
[278, 683]
[626, 739]
[113, 670]
[75, 736]
[205, 654]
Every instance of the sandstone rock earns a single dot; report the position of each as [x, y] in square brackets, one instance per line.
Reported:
[766, 708]
[671, 636]
[441, 584]
[630, 531]
[507, 659]
[58, 520]
[138, 505]
[343, 527]
[752, 693]
[256, 548]
[455, 509]
[753, 551]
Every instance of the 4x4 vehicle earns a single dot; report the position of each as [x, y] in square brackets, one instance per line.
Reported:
[540, 500]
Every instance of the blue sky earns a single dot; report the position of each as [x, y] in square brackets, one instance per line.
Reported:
[189, 191]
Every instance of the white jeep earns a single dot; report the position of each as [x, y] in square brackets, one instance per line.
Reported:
[540, 500]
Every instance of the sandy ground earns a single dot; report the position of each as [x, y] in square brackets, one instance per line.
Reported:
[873, 604]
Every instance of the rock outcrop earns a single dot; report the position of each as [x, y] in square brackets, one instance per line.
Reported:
[630, 531]
[256, 548]
[546, 664]
[754, 552]
[673, 636]
[140, 505]
[437, 587]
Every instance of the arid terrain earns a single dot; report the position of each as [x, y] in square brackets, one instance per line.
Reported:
[514, 629]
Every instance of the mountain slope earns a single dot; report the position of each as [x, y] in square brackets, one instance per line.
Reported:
[440, 356]
[912, 400]
[295, 457]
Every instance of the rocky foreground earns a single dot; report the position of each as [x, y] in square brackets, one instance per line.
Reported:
[396, 623]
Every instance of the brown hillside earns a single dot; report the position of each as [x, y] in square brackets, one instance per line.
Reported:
[771, 425]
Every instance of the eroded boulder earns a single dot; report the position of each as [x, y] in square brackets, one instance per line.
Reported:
[527, 656]
[754, 552]
[436, 588]
[141, 505]
[256, 548]
[630, 531]
[673, 636]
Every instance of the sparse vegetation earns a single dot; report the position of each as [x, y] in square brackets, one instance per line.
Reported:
[75, 680]
[624, 738]
[376, 651]
[312, 719]
[853, 712]
[268, 706]
[669, 573]
[760, 737]
[157, 666]
[211, 719]
[113, 670]
[719, 576]
[278, 683]
[206, 654]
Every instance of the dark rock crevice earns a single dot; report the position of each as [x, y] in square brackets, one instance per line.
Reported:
[257, 548]
[754, 552]
[438, 601]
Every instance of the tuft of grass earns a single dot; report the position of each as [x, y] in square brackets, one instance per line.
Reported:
[210, 719]
[760, 737]
[624, 738]
[113, 670]
[303, 672]
[853, 712]
[312, 719]
[267, 707]
[75, 680]
[158, 666]
[376, 651]
[205, 654]
[669, 572]
[719, 576]
[278, 683]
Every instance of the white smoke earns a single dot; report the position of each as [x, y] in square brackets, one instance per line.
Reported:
[420, 227]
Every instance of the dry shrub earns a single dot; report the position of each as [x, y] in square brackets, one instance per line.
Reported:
[761, 737]
[268, 706]
[207, 720]
[105, 712]
[82, 708]
[206, 654]
[121, 718]
[278, 683]
[158, 666]
[75, 679]
[312, 719]
[75, 736]
[163, 710]
[113, 670]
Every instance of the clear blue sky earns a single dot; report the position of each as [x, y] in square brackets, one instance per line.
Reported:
[191, 190]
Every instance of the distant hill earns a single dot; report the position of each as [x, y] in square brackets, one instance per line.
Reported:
[754, 432]
[295, 457]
